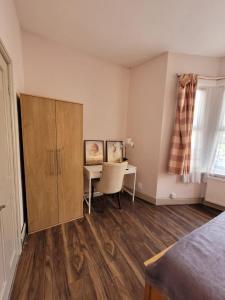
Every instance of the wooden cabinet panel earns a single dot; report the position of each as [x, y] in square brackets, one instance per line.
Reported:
[69, 123]
[39, 144]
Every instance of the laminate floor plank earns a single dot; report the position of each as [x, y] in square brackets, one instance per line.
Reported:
[101, 256]
[116, 251]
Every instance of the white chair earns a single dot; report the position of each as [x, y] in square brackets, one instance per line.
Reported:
[111, 181]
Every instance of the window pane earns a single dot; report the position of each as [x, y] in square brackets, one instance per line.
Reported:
[197, 132]
[223, 124]
[200, 102]
[219, 162]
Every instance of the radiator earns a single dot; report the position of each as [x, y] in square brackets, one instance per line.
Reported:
[215, 191]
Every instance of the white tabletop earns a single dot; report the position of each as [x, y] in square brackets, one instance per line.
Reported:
[95, 171]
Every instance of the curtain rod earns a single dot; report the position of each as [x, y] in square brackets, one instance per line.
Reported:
[208, 77]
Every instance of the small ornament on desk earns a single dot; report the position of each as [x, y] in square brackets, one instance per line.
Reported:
[128, 143]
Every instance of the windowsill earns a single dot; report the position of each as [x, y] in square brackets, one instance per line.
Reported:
[217, 177]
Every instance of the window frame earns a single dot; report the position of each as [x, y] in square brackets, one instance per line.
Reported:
[202, 85]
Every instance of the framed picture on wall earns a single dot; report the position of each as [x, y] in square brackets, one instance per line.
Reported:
[114, 151]
[93, 152]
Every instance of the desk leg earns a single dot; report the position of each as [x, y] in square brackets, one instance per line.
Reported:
[134, 187]
[89, 196]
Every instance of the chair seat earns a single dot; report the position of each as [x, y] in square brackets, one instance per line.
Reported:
[111, 181]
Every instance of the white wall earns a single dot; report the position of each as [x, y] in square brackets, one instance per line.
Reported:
[215, 191]
[145, 114]
[178, 63]
[151, 114]
[222, 66]
[53, 70]
[10, 35]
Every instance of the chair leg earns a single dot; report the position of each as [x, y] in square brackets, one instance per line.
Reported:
[118, 198]
[92, 192]
[103, 206]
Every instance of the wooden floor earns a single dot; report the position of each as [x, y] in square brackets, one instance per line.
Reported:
[102, 255]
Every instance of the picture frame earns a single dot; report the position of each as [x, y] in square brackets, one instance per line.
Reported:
[114, 151]
[93, 152]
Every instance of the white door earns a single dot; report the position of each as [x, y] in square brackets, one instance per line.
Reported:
[8, 223]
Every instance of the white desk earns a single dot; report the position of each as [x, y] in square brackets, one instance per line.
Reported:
[93, 172]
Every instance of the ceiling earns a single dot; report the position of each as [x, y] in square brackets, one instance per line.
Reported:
[128, 32]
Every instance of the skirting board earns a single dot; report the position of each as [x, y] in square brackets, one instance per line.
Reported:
[213, 205]
[145, 197]
[178, 201]
[167, 201]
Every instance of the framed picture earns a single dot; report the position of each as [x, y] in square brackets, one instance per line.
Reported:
[114, 151]
[93, 152]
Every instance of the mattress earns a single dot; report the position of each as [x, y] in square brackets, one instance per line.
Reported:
[194, 268]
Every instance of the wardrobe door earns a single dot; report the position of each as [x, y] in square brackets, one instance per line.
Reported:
[69, 123]
[39, 144]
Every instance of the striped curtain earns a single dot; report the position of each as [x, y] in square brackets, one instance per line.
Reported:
[180, 153]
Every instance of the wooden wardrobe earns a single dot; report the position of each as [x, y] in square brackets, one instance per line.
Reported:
[52, 133]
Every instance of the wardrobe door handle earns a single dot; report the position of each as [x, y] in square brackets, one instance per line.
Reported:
[59, 162]
[55, 166]
[51, 158]
[2, 207]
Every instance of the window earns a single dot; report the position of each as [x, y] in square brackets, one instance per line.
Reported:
[198, 125]
[218, 166]
[208, 135]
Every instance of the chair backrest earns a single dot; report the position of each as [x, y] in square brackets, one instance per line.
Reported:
[112, 178]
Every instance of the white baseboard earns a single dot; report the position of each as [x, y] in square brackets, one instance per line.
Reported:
[178, 201]
[222, 208]
[145, 197]
[167, 201]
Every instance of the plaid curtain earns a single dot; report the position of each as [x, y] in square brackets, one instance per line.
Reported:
[180, 153]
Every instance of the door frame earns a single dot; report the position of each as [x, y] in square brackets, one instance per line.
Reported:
[15, 144]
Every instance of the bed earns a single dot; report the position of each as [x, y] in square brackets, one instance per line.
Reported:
[191, 269]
